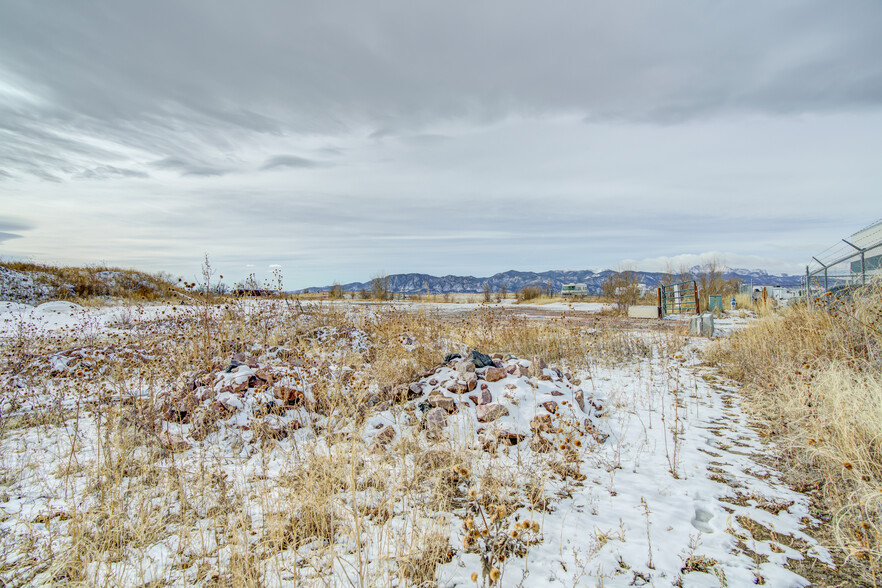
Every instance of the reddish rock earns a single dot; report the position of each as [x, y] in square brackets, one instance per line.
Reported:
[509, 437]
[490, 412]
[239, 386]
[485, 397]
[436, 418]
[464, 367]
[290, 396]
[263, 376]
[473, 398]
[557, 393]
[550, 406]
[471, 380]
[433, 382]
[545, 378]
[457, 388]
[439, 400]
[382, 439]
[511, 387]
[494, 374]
[580, 399]
[484, 386]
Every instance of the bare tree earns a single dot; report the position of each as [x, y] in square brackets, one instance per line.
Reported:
[380, 287]
[624, 287]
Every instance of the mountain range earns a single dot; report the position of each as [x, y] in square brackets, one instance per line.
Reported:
[515, 280]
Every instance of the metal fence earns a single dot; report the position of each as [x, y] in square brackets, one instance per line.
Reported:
[850, 262]
[679, 298]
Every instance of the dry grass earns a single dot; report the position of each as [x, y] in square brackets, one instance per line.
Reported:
[815, 373]
[257, 503]
[88, 283]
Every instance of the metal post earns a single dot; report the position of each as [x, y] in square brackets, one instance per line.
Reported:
[808, 285]
[863, 271]
[826, 288]
[863, 268]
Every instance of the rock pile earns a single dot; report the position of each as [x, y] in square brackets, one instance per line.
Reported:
[270, 401]
[496, 398]
[500, 398]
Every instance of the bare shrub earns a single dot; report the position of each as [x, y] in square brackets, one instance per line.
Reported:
[623, 288]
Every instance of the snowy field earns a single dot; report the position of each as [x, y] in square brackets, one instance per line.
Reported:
[335, 445]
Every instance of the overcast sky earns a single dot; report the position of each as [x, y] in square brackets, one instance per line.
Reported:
[339, 140]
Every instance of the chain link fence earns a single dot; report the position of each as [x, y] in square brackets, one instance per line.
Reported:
[851, 262]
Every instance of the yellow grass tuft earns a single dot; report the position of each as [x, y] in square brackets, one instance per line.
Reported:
[814, 372]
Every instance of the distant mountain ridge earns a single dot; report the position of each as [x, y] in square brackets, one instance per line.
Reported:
[516, 280]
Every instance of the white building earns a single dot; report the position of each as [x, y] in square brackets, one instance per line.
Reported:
[574, 290]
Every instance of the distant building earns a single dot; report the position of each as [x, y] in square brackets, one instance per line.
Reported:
[641, 290]
[873, 258]
[574, 290]
[778, 293]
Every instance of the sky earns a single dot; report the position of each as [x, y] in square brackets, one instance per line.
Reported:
[335, 141]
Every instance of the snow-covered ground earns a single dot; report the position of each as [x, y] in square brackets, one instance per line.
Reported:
[664, 508]
[641, 472]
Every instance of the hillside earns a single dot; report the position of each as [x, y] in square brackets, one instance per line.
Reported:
[515, 280]
[32, 283]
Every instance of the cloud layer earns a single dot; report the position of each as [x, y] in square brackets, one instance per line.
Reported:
[337, 140]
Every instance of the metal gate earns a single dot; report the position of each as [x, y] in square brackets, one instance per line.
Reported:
[679, 298]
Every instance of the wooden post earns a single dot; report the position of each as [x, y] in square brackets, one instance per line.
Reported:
[697, 302]
[661, 313]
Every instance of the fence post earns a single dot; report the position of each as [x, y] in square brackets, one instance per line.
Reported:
[863, 271]
[697, 302]
[808, 286]
[863, 268]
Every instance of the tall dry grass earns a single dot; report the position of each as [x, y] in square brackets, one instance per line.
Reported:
[814, 372]
[282, 506]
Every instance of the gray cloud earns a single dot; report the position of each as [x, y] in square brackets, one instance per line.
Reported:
[7, 226]
[108, 171]
[189, 168]
[537, 135]
[288, 161]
